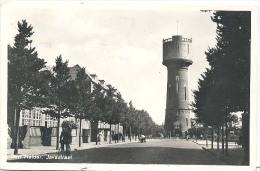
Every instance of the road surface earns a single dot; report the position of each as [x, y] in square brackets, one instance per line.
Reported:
[155, 151]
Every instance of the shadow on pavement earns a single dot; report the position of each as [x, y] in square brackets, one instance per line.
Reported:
[134, 155]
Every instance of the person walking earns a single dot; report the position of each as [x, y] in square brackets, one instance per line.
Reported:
[65, 140]
[99, 136]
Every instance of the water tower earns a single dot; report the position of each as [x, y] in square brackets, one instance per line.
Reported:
[176, 57]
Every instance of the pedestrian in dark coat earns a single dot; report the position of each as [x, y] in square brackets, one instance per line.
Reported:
[65, 139]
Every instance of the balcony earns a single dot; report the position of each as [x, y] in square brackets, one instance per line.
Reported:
[183, 39]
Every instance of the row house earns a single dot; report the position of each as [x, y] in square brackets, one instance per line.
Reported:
[36, 119]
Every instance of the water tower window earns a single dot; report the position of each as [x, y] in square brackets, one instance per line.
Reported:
[177, 83]
[177, 48]
[185, 94]
[187, 122]
[169, 91]
[188, 48]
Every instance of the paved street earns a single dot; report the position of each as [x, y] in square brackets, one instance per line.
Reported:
[164, 151]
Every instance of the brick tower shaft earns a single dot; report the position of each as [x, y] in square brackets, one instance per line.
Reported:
[176, 57]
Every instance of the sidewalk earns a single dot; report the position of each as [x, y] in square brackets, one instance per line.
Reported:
[235, 152]
[203, 142]
[44, 150]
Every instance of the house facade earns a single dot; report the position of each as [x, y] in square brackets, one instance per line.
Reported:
[36, 122]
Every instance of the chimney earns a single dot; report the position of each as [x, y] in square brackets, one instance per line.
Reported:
[102, 81]
[93, 76]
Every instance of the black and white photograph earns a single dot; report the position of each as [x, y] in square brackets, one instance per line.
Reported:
[129, 85]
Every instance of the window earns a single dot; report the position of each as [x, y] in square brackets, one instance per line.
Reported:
[26, 117]
[185, 95]
[170, 91]
[187, 122]
[177, 83]
[51, 122]
[36, 113]
[188, 48]
[177, 78]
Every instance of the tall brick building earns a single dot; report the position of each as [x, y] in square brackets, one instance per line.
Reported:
[176, 57]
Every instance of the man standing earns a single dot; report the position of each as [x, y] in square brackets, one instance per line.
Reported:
[65, 139]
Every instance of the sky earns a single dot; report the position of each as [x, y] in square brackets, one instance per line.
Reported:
[121, 44]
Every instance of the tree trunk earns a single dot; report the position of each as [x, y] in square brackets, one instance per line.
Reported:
[110, 136]
[196, 136]
[218, 139]
[212, 137]
[97, 134]
[58, 131]
[115, 133]
[130, 133]
[226, 137]
[17, 120]
[222, 137]
[124, 132]
[118, 134]
[206, 137]
[80, 120]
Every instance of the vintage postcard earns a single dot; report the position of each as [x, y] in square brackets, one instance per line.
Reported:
[132, 85]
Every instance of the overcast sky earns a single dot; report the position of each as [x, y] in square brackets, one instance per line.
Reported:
[122, 44]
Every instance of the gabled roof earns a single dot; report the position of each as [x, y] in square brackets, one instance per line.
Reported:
[73, 71]
[93, 77]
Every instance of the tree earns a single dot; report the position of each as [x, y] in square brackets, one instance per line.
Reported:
[234, 39]
[83, 95]
[207, 103]
[230, 64]
[97, 107]
[110, 108]
[130, 115]
[98, 104]
[119, 111]
[61, 93]
[126, 119]
[24, 68]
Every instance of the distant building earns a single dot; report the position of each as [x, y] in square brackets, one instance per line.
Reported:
[101, 127]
